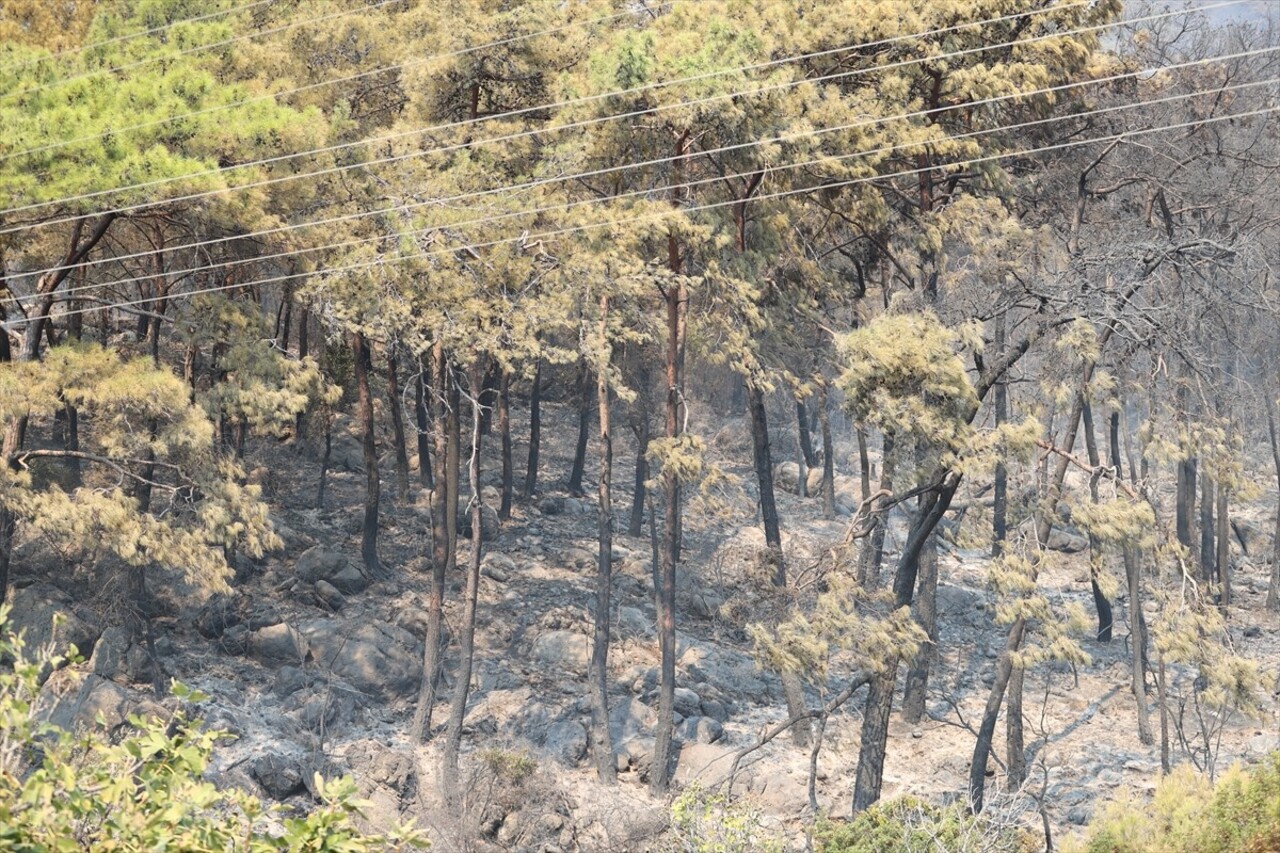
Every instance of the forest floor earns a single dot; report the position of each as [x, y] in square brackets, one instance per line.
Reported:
[326, 712]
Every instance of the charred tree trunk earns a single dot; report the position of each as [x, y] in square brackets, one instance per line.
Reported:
[916, 690]
[535, 432]
[1100, 601]
[1208, 550]
[871, 558]
[397, 428]
[808, 457]
[504, 435]
[828, 455]
[641, 429]
[422, 409]
[1000, 505]
[1015, 745]
[584, 429]
[1273, 587]
[764, 479]
[433, 651]
[369, 529]
[1223, 557]
[601, 741]
[467, 630]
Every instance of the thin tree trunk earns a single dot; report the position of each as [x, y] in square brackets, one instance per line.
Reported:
[535, 432]
[369, 528]
[828, 455]
[1000, 505]
[915, 693]
[397, 428]
[1208, 569]
[467, 631]
[871, 559]
[1137, 623]
[453, 462]
[659, 774]
[432, 655]
[504, 435]
[1015, 746]
[864, 463]
[601, 741]
[1100, 602]
[584, 429]
[641, 475]
[324, 461]
[1166, 764]
[1224, 548]
[987, 728]
[808, 457]
[422, 417]
[1273, 588]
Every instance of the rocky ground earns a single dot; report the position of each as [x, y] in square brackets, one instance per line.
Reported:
[312, 666]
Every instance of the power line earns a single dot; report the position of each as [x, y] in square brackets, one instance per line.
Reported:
[649, 191]
[85, 48]
[505, 138]
[543, 235]
[129, 66]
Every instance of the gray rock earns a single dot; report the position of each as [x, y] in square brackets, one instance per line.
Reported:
[490, 524]
[497, 567]
[374, 658]
[786, 476]
[96, 699]
[280, 777]
[37, 607]
[327, 710]
[688, 703]
[630, 718]
[350, 580]
[117, 658]
[632, 622]
[278, 644]
[319, 562]
[216, 617]
[289, 680]
[563, 649]
[705, 763]
[1067, 541]
[700, 730]
[566, 742]
[1079, 815]
[715, 710]
[330, 595]
[551, 505]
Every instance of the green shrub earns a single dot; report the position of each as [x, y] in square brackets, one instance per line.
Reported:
[712, 823]
[910, 825]
[1188, 814]
[72, 791]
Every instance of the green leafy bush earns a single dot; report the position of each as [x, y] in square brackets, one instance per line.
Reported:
[74, 791]
[712, 823]
[1189, 814]
[910, 825]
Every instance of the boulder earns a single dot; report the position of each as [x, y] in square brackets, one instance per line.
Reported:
[116, 657]
[279, 776]
[289, 680]
[321, 563]
[786, 476]
[630, 718]
[490, 524]
[699, 730]
[329, 594]
[373, 657]
[219, 614]
[703, 762]
[566, 742]
[632, 622]
[551, 505]
[94, 700]
[34, 612]
[566, 650]
[687, 702]
[1067, 541]
[277, 644]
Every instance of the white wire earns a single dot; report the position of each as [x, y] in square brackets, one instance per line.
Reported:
[508, 137]
[539, 236]
[129, 66]
[10, 69]
[648, 191]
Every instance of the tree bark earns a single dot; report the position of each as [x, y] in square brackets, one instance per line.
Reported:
[601, 741]
[1000, 507]
[504, 435]
[808, 457]
[467, 631]
[397, 427]
[369, 528]
[432, 655]
[1223, 559]
[1100, 601]
[871, 558]
[915, 693]
[422, 409]
[1015, 746]
[828, 455]
[659, 774]
[584, 429]
[636, 526]
[1273, 587]
[1208, 551]
[535, 432]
